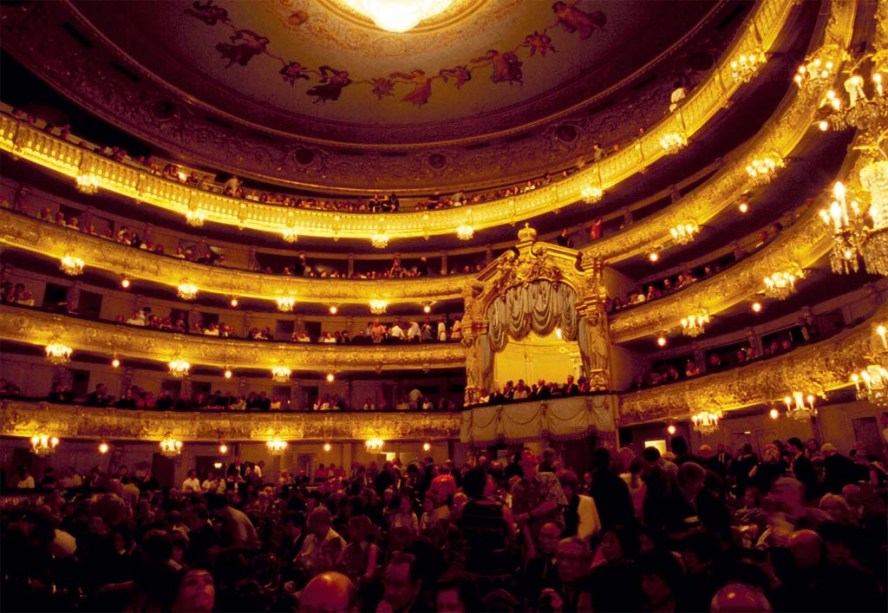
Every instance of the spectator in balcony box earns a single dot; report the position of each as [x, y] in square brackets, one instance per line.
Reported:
[100, 396]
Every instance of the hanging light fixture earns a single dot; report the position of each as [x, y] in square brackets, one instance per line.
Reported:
[856, 109]
[222, 449]
[874, 178]
[43, 445]
[762, 170]
[179, 368]
[378, 307]
[800, 407]
[673, 142]
[328, 447]
[684, 234]
[87, 183]
[465, 232]
[780, 285]
[706, 422]
[187, 291]
[285, 304]
[814, 73]
[695, 325]
[380, 240]
[747, 65]
[58, 354]
[591, 194]
[398, 15]
[170, 447]
[195, 217]
[104, 448]
[280, 374]
[871, 384]
[290, 234]
[374, 444]
[276, 446]
[71, 265]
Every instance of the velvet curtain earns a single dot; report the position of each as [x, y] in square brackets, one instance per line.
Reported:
[538, 307]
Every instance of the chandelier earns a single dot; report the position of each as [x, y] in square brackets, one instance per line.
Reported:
[872, 384]
[856, 110]
[187, 291]
[849, 231]
[58, 354]
[763, 170]
[280, 374]
[706, 422]
[374, 444]
[815, 72]
[874, 178]
[43, 445]
[673, 142]
[745, 67]
[87, 183]
[695, 325]
[800, 407]
[591, 194]
[380, 240]
[276, 446]
[71, 265]
[170, 447]
[465, 232]
[780, 285]
[195, 217]
[683, 234]
[290, 234]
[378, 307]
[179, 368]
[398, 15]
[285, 304]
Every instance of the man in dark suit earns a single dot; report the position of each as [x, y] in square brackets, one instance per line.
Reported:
[802, 467]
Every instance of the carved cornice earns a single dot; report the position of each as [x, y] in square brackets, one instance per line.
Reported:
[48, 239]
[39, 328]
[26, 419]
[782, 134]
[814, 369]
[707, 99]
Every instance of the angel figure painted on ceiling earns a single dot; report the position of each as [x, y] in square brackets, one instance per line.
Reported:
[331, 85]
[245, 44]
[460, 75]
[293, 71]
[572, 19]
[538, 42]
[506, 66]
[422, 86]
[208, 13]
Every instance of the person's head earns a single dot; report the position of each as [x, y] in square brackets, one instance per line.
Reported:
[329, 592]
[456, 594]
[528, 462]
[807, 548]
[573, 559]
[795, 445]
[699, 552]
[787, 494]
[828, 449]
[402, 581]
[738, 598]
[197, 591]
[660, 573]
[550, 535]
[192, 473]
[618, 545]
[842, 541]
[319, 521]
[474, 483]
[752, 497]
[293, 524]
[705, 452]
[569, 483]
[852, 494]
[601, 459]
[679, 445]
[837, 507]
[691, 477]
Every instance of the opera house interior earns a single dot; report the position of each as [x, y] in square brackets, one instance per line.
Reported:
[443, 305]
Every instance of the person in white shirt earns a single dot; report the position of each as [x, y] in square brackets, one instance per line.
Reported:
[442, 331]
[678, 94]
[323, 546]
[191, 483]
[413, 331]
[396, 332]
[26, 480]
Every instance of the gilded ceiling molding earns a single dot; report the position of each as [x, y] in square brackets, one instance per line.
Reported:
[27, 419]
[707, 99]
[815, 369]
[798, 247]
[39, 328]
[782, 134]
[30, 234]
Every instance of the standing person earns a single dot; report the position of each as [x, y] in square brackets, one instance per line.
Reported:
[581, 515]
[802, 468]
[536, 498]
[610, 492]
[192, 483]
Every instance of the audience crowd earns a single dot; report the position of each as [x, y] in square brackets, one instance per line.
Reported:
[801, 528]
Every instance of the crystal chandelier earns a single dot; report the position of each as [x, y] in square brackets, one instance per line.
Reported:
[179, 368]
[683, 234]
[800, 407]
[276, 446]
[87, 183]
[706, 422]
[745, 67]
[872, 384]
[280, 374]
[195, 217]
[591, 194]
[673, 142]
[398, 15]
[378, 307]
[58, 354]
[465, 232]
[763, 170]
[780, 285]
[380, 240]
[695, 325]
[290, 234]
[857, 109]
[187, 291]
[849, 231]
[874, 178]
[71, 265]
[43, 445]
[285, 304]
[170, 447]
[374, 444]
[814, 73]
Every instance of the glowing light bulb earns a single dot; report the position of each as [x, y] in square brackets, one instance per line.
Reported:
[426, 309]
[125, 283]
[661, 341]
[671, 429]
[327, 447]
[757, 307]
[104, 447]
[223, 449]
[330, 377]
[115, 363]
[334, 310]
[234, 302]
[774, 414]
[228, 374]
[426, 446]
[744, 207]
[654, 257]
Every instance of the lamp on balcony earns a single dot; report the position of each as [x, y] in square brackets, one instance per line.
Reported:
[170, 447]
[285, 304]
[280, 374]
[276, 446]
[695, 325]
[43, 445]
[378, 307]
[799, 406]
[763, 169]
[71, 265]
[684, 233]
[187, 291]
[673, 142]
[706, 422]
[58, 354]
[179, 368]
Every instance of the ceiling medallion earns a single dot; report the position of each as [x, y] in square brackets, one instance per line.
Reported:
[398, 15]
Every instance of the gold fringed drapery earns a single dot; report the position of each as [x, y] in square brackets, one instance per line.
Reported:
[539, 307]
[555, 418]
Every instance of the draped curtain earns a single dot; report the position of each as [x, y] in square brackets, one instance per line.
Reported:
[538, 307]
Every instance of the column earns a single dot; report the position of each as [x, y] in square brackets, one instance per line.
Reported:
[351, 264]
[444, 269]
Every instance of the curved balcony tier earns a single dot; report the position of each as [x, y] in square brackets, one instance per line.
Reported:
[27, 419]
[814, 369]
[40, 328]
[23, 140]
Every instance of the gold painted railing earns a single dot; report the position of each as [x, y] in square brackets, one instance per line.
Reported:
[782, 134]
[39, 328]
[814, 369]
[32, 235]
[766, 24]
[26, 419]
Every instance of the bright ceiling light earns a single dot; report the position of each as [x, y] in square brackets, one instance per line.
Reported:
[398, 15]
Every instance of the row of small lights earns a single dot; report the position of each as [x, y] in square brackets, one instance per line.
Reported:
[798, 407]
